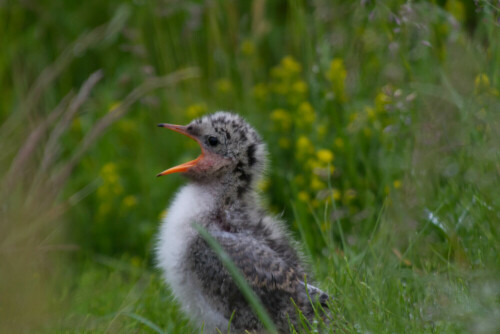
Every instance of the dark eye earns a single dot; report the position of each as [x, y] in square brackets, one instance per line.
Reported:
[213, 141]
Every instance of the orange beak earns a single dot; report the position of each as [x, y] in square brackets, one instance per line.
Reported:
[185, 166]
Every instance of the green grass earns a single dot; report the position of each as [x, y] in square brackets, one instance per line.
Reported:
[384, 137]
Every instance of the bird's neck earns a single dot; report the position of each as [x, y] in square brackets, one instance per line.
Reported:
[234, 190]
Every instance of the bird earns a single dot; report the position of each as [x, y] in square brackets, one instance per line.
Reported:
[222, 197]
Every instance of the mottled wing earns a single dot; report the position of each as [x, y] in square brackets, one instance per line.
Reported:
[264, 269]
[261, 266]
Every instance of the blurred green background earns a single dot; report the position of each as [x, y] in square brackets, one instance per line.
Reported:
[383, 125]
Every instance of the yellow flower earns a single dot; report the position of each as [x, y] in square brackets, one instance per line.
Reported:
[336, 194]
[325, 156]
[290, 65]
[317, 184]
[482, 80]
[282, 119]
[224, 86]
[247, 47]
[288, 68]
[397, 184]
[196, 110]
[299, 87]
[286, 80]
[339, 143]
[306, 114]
[129, 201]
[320, 168]
[337, 74]
[313, 164]
[108, 169]
[303, 196]
[108, 173]
[304, 147]
[482, 85]
[381, 100]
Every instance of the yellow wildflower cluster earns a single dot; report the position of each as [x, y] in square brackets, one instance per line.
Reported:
[110, 188]
[111, 185]
[296, 115]
[304, 148]
[110, 193]
[288, 87]
[305, 114]
[386, 111]
[286, 81]
[281, 119]
[482, 85]
[321, 163]
[319, 167]
[382, 100]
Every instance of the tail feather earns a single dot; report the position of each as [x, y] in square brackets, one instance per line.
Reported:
[317, 293]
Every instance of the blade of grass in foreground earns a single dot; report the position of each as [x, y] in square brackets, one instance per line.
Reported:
[146, 322]
[240, 281]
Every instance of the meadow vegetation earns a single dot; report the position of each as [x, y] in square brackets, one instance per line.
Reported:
[383, 126]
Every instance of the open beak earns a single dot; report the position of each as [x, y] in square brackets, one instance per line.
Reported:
[185, 166]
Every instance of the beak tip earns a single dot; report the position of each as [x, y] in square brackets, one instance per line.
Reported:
[160, 125]
[158, 175]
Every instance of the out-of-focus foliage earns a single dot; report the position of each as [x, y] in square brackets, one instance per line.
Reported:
[381, 119]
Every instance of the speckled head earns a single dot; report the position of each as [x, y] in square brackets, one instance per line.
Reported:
[230, 149]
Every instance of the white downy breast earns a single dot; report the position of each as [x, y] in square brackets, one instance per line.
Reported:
[189, 206]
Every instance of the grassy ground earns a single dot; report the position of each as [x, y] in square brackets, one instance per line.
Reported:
[382, 122]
